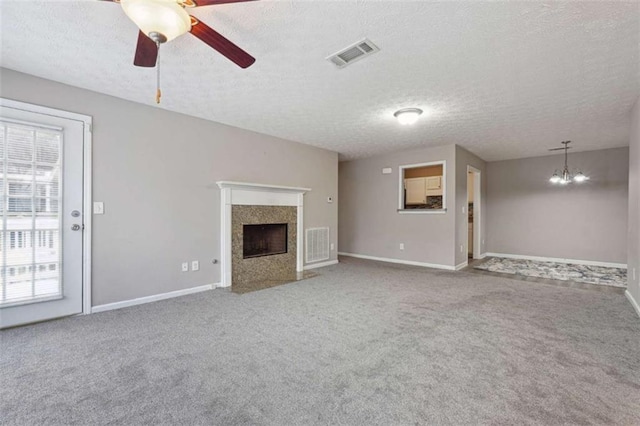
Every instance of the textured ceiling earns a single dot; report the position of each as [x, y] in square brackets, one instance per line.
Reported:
[502, 79]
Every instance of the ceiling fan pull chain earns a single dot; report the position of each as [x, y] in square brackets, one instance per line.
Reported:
[158, 93]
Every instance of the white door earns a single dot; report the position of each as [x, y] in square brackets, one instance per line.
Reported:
[41, 201]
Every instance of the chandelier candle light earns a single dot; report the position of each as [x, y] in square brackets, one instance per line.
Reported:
[565, 176]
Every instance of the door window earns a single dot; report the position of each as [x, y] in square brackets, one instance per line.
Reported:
[30, 164]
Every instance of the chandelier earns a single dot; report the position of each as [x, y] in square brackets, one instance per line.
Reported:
[565, 176]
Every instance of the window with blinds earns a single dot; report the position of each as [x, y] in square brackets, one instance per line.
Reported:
[30, 240]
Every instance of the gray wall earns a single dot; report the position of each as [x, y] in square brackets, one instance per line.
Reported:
[465, 158]
[530, 216]
[634, 204]
[156, 170]
[369, 222]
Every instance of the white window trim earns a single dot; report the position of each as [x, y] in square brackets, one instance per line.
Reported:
[86, 120]
[401, 209]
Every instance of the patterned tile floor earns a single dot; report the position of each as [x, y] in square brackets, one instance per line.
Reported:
[599, 275]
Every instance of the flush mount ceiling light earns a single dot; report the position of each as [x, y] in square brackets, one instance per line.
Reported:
[565, 176]
[407, 115]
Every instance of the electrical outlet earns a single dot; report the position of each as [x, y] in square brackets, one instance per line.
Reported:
[401, 246]
[185, 266]
[461, 248]
[332, 246]
[195, 265]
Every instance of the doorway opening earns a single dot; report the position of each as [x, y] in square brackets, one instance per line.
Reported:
[474, 213]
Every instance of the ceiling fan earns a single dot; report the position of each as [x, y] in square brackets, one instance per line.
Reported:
[161, 21]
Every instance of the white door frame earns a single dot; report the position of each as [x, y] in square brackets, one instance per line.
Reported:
[477, 211]
[86, 120]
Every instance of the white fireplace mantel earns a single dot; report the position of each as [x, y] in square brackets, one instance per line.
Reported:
[256, 194]
[261, 187]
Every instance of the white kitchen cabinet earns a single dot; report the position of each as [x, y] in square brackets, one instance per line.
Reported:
[433, 185]
[434, 182]
[418, 189]
[415, 191]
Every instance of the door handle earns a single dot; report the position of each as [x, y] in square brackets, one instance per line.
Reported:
[75, 227]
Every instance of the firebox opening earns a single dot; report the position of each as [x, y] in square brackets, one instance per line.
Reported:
[264, 239]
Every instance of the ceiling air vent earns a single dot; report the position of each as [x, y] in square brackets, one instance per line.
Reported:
[353, 53]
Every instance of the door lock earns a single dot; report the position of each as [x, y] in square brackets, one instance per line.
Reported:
[75, 213]
[75, 227]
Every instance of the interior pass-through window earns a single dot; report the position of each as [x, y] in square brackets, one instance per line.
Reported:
[422, 187]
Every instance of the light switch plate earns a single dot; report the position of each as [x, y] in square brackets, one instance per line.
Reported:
[98, 207]
[185, 266]
[195, 265]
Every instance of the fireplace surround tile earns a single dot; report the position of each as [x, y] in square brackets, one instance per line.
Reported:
[267, 269]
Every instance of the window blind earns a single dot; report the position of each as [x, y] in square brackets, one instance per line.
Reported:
[30, 185]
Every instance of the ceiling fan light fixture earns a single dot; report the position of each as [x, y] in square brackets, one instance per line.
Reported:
[160, 20]
[555, 178]
[407, 115]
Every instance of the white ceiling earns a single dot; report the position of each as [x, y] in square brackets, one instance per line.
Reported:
[502, 79]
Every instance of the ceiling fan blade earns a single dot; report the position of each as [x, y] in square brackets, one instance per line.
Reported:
[195, 3]
[146, 52]
[221, 44]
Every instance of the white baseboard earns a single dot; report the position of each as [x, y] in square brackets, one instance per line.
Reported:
[462, 265]
[633, 302]
[149, 299]
[321, 264]
[482, 256]
[559, 260]
[400, 261]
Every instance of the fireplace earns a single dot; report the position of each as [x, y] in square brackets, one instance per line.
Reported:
[264, 239]
[244, 204]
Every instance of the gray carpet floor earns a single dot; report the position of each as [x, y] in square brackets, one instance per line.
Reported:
[364, 343]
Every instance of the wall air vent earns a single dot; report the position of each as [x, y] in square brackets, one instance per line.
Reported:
[317, 244]
[353, 53]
